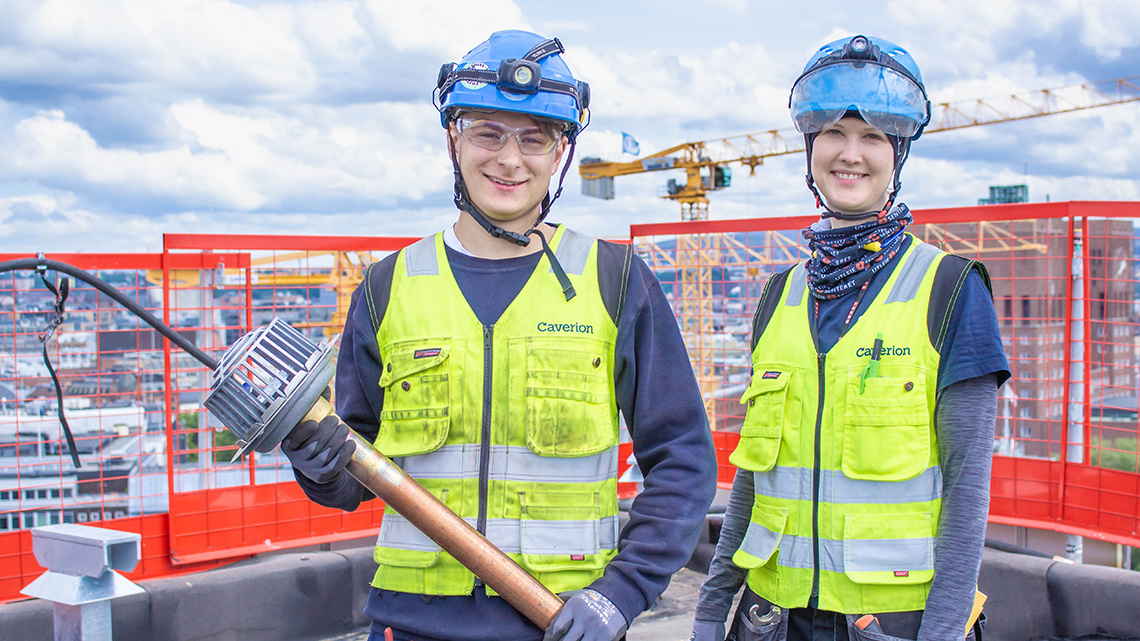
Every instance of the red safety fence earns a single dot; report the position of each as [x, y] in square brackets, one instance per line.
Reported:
[111, 372]
[1066, 284]
[1065, 279]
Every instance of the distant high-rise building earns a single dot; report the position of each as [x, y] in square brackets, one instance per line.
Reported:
[1003, 194]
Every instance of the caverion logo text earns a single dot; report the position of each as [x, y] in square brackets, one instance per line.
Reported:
[566, 327]
[887, 351]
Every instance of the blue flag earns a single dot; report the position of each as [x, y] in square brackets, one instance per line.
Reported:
[629, 144]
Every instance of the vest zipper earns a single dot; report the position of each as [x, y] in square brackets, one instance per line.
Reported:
[485, 435]
[815, 486]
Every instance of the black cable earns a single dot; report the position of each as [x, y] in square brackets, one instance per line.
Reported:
[60, 293]
[33, 264]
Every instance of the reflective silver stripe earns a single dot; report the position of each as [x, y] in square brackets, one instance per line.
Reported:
[912, 273]
[573, 250]
[795, 551]
[759, 541]
[563, 537]
[792, 483]
[511, 463]
[888, 555]
[795, 483]
[543, 537]
[396, 532]
[856, 555]
[797, 286]
[419, 258]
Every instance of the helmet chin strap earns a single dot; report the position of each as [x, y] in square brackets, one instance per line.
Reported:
[463, 202]
[902, 152]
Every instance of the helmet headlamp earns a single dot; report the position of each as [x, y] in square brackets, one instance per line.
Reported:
[519, 76]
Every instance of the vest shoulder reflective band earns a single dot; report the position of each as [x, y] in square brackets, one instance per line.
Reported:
[845, 459]
[513, 426]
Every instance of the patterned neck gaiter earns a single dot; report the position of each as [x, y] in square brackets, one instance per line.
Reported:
[844, 260]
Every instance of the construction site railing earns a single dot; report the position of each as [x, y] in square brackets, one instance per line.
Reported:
[1065, 279]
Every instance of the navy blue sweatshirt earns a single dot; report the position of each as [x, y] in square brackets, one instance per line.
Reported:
[656, 393]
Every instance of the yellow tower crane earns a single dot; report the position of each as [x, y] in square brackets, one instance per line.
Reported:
[707, 168]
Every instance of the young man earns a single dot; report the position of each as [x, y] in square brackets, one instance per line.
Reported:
[865, 453]
[492, 369]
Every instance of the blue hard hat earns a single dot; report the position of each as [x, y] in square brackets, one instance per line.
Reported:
[515, 71]
[871, 76]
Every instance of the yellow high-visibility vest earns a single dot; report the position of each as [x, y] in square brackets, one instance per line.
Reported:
[846, 468]
[513, 426]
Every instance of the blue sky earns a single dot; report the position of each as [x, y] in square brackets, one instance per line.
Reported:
[121, 120]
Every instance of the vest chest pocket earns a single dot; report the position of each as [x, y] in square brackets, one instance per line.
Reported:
[568, 398]
[886, 434]
[417, 412]
[768, 407]
[562, 531]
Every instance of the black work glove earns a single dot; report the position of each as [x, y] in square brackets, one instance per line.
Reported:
[319, 450]
[587, 616]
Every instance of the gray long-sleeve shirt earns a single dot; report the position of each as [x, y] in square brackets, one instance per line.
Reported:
[964, 418]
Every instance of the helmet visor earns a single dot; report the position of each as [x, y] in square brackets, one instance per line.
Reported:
[885, 98]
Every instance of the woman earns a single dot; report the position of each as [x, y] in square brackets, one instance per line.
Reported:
[865, 453]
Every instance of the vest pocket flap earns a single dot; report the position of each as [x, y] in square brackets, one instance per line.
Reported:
[767, 378]
[768, 411]
[417, 412]
[765, 532]
[401, 544]
[406, 360]
[888, 549]
[765, 398]
[561, 531]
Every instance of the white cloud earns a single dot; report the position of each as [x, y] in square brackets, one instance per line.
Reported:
[198, 45]
[313, 116]
[56, 214]
[243, 159]
[1110, 26]
[48, 148]
[440, 26]
[738, 7]
[737, 82]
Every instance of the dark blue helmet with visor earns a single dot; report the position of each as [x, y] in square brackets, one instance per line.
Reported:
[867, 77]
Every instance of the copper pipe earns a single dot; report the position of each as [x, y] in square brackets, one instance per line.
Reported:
[389, 483]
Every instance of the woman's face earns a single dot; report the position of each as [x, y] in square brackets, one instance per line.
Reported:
[853, 163]
[505, 184]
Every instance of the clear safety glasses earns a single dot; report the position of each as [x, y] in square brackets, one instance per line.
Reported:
[492, 135]
[886, 99]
